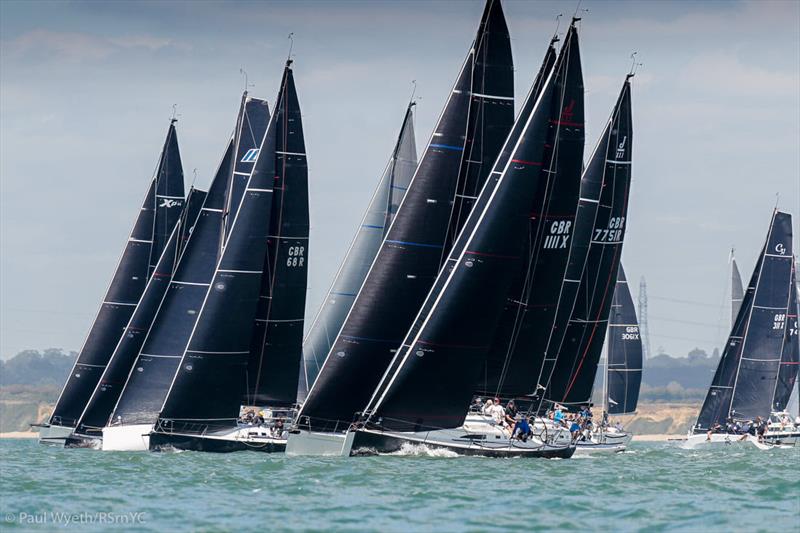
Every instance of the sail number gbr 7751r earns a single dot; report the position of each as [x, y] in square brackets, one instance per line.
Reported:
[611, 234]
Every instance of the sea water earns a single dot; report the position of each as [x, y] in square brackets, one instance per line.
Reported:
[651, 487]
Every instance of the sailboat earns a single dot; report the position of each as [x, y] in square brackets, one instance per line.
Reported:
[169, 335]
[620, 372]
[201, 409]
[744, 384]
[98, 409]
[424, 397]
[159, 213]
[452, 170]
[376, 221]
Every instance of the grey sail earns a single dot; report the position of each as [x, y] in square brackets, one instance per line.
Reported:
[161, 208]
[737, 291]
[376, 221]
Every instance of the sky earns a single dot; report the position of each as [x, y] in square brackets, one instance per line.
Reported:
[87, 90]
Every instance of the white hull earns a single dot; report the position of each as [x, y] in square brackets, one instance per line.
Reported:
[133, 438]
[55, 435]
[702, 440]
[302, 442]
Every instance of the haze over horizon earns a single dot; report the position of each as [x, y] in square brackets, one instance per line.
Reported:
[87, 88]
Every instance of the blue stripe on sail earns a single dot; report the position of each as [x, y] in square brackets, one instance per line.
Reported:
[344, 293]
[392, 341]
[448, 147]
[371, 226]
[416, 244]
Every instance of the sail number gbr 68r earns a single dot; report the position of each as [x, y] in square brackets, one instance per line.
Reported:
[295, 258]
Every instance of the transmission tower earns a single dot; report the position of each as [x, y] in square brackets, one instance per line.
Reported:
[645, 332]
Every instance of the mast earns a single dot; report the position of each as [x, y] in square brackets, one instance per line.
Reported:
[431, 380]
[573, 362]
[623, 352]
[130, 277]
[376, 221]
[527, 323]
[167, 338]
[277, 334]
[410, 255]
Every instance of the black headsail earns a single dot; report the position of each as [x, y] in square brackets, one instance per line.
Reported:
[105, 395]
[790, 360]
[572, 376]
[624, 373]
[744, 382]
[250, 127]
[380, 213]
[737, 291]
[409, 258]
[431, 379]
[527, 323]
[277, 341]
[209, 382]
[146, 242]
[166, 340]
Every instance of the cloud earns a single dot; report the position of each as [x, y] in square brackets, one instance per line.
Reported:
[724, 72]
[77, 47]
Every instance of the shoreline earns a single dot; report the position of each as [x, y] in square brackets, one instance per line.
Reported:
[20, 435]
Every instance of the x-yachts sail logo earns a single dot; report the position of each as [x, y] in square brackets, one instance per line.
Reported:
[567, 112]
[780, 248]
[621, 148]
[250, 156]
[166, 202]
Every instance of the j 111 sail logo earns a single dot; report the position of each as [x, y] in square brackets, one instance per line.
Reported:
[613, 233]
[559, 234]
[621, 148]
[779, 322]
[295, 258]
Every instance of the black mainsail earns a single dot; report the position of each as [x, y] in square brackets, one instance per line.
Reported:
[528, 323]
[160, 211]
[431, 380]
[572, 376]
[98, 409]
[277, 338]
[410, 256]
[167, 338]
[744, 382]
[624, 355]
[374, 225]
